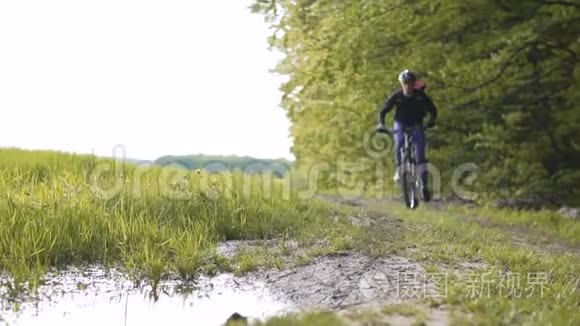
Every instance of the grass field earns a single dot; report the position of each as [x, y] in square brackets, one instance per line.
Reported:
[59, 209]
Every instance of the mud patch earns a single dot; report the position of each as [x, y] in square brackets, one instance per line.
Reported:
[229, 249]
[350, 279]
[345, 280]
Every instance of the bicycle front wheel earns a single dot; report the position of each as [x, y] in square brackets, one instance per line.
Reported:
[408, 184]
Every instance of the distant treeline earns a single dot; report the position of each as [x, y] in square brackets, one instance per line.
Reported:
[216, 163]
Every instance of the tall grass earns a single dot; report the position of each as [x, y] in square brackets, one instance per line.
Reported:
[58, 209]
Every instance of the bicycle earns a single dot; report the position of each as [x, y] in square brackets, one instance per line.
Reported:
[411, 184]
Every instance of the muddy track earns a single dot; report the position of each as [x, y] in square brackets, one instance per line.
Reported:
[528, 238]
[345, 283]
[351, 282]
[519, 235]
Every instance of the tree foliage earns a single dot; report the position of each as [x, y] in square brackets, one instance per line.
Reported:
[503, 74]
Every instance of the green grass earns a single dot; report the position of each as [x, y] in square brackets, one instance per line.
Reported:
[322, 318]
[446, 240]
[248, 259]
[544, 222]
[441, 241]
[57, 209]
[403, 310]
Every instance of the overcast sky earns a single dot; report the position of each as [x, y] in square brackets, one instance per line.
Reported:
[157, 77]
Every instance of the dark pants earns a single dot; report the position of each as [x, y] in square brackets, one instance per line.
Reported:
[419, 140]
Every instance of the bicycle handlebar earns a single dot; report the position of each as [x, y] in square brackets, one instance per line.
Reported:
[390, 131]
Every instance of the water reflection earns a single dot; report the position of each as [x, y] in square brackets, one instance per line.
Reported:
[96, 297]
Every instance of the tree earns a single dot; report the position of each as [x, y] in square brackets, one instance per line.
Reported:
[503, 74]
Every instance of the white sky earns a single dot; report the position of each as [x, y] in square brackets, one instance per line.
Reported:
[167, 77]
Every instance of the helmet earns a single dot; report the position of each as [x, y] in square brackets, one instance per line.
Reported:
[407, 76]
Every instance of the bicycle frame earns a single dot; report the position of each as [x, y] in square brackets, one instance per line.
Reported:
[411, 184]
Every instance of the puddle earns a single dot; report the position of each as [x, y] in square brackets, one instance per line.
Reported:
[93, 297]
[346, 279]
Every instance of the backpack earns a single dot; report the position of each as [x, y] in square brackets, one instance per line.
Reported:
[420, 85]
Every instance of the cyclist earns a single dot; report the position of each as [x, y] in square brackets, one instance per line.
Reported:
[412, 105]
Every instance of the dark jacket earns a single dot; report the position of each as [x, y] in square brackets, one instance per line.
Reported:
[409, 110]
